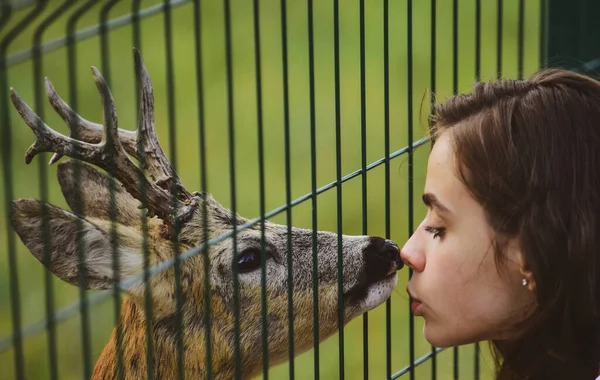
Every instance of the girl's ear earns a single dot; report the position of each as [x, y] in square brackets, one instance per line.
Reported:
[516, 257]
[527, 279]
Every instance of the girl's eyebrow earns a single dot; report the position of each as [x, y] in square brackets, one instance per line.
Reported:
[431, 201]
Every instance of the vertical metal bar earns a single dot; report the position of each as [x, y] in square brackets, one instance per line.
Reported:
[338, 173]
[580, 42]
[104, 49]
[477, 370]
[313, 162]
[6, 135]
[203, 184]
[432, 110]
[543, 33]
[409, 53]
[5, 13]
[137, 43]
[477, 78]
[454, 46]
[8, 196]
[477, 40]
[145, 244]
[78, 202]
[236, 301]
[135, 22]
[148, 314]
[386, 132]
[261, 181]
[363, 146]
[111, 124]
[173, 148]
[43, 175]
[432, 65]
[455, 350]
[104, 13]
[288, 185]
[521, 37]
[499, 40]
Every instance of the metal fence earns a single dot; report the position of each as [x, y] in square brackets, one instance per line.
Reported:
[310, 114]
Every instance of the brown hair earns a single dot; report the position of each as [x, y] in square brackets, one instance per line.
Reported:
[529, 153]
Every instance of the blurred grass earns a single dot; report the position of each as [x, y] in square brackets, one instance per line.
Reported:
[26, 181]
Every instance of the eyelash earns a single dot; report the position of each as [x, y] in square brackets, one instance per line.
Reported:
[437, 232]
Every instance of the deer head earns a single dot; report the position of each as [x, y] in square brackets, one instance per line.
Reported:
[105, 222]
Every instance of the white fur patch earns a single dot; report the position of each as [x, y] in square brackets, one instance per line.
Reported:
[377, 294]
[99, 258]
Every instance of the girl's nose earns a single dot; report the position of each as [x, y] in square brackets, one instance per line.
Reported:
[413, 254]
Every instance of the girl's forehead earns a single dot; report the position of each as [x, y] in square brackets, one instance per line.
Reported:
[440, 168]
[442, 178]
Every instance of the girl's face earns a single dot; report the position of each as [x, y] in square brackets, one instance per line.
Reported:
[461, 294]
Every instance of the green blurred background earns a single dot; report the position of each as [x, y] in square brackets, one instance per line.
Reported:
[26, 179]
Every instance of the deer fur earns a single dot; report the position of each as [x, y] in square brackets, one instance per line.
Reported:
[100, 232]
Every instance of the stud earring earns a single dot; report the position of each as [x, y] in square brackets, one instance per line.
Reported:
[524, 282]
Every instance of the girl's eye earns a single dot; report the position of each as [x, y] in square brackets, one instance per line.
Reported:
[437, 232]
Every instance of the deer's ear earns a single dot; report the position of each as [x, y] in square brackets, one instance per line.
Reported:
[88, 193]
[65, 233]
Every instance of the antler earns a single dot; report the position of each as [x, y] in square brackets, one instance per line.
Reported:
[107, 146]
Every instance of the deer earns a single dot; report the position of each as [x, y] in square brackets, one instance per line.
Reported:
[126, 216]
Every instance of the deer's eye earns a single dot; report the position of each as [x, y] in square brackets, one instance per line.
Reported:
[249, 260]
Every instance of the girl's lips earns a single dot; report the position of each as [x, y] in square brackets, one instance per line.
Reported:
[416, 305]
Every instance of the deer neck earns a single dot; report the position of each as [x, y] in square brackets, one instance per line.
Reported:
[134, 348]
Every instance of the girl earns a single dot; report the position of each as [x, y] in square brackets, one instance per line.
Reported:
[509, 250]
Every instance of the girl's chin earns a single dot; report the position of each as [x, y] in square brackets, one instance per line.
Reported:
[443, 337]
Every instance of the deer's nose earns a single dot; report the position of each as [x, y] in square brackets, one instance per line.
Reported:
[388, 250]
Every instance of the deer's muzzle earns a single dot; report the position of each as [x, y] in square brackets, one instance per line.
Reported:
[381, 258]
